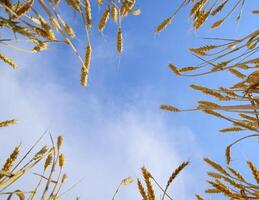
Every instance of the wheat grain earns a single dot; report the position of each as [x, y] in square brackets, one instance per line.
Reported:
[150, 191]
[219, 8]
[7, 123]
[59, 142]
[174, 69]
[217, 24]
[11, 159]
[237, 174]
[254, 171]
[48, 161]
[8, 61]
[114, 13]
[169, 108]
[86, 66]
[228, 154]
[216, 166]
[142, 190]
[88, 12]
[119, 41]
[173, 176]
[40, 153]
[231, 129]
[23, 9]
[164, 24]
[61, 160]
[104, 19]
[198, 197]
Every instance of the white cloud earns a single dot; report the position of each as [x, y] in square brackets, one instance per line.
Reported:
[104, 141]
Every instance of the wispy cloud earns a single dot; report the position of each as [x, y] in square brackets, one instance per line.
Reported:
[104, 141]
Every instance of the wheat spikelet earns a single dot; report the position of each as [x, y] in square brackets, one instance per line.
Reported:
[253, 77]
[44, 25]
[8, 60]
[84, 76]
[238, 175]
[7, 123]
[219, 8]
[64, 178]
[200, 20]
[40, 46]
[173, 176]
[75, 4]
[56, 2]
[114, 13]
[11, 159]
[209, 104]
[88, 13]
[231, 129]
[206, 48]
[127, 181]
[119, 41]
[150, 191]
[142, 190]
[202, 50]
[169, 108]
[197, 7]
[228, 154]
[40, 153]
[256, 193]
[187, 69]
[245, 125]
[48, 161]
[69, 30]
[254, 171]
[214, 113]
[50, 34]
[44, 33]
[198, 197]
[247, 117]
[174, 69]
[239, 85]
[35, 20]
[243, 194]
[61, 160]
[88, 55]
[100, 2]
[214, 175]
[23, 9]
[212, 191]
[243, 66]
[232, 182]
[59, 142]
[135, 12]
[216, 166]
[217, 24]
[54, 23]
[221, 187]
[208, 91]
[228, 91]
[86, 66]
[23, 31]
[8, 3]
[104, 19]
[164, 24]
[127, 5]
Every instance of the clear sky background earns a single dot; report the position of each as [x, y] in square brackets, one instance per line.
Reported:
[114, 126]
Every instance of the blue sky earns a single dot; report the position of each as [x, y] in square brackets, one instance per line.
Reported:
[114, 126]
